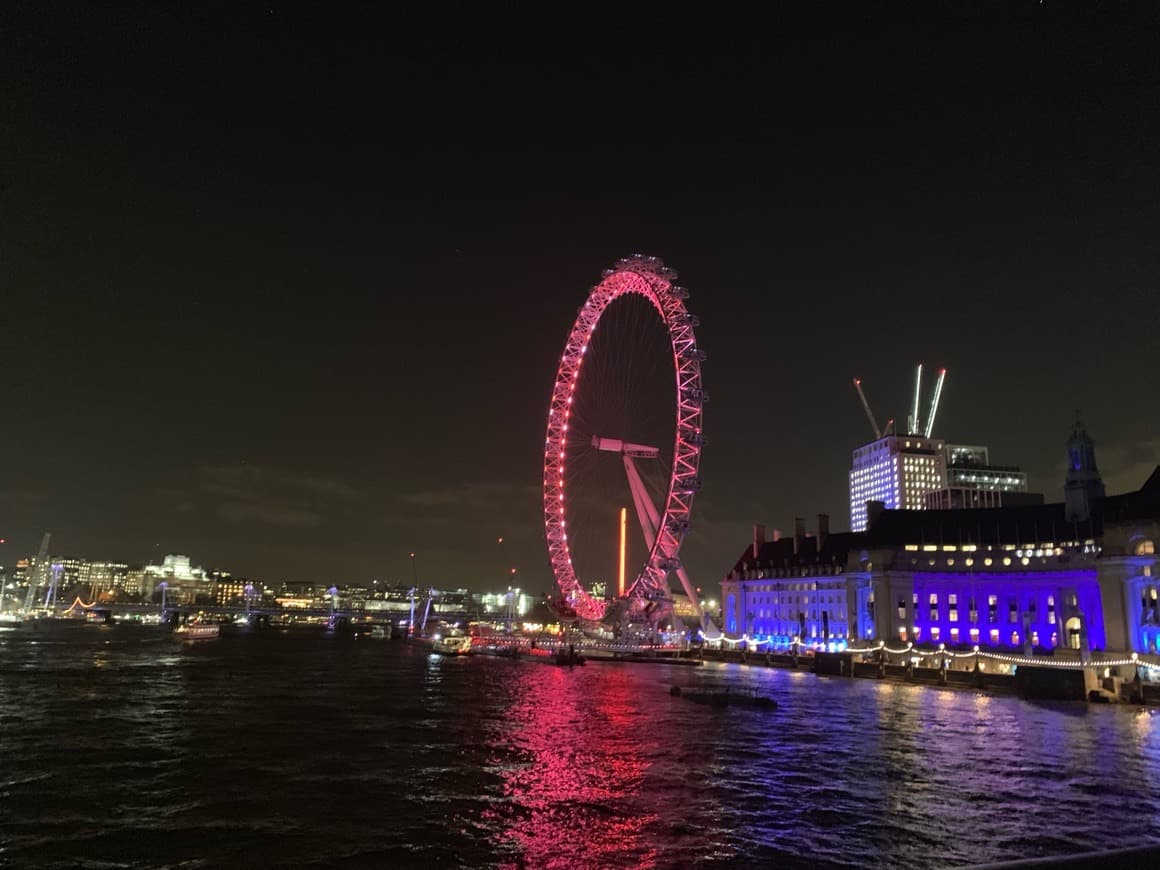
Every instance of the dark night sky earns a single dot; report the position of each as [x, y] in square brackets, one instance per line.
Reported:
[286, 291]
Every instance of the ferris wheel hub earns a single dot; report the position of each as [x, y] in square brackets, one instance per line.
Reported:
[625, 448]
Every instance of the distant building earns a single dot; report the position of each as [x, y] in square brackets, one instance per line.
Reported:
[897, 470]
[229, 589]
[185, 583]
[512, 604]
[973, 482]
[102, 577]
[913, 472]
[67, 571]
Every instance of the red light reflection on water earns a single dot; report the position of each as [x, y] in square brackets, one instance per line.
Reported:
[573, 795]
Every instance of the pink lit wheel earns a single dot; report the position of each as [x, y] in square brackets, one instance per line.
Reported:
[649, 278]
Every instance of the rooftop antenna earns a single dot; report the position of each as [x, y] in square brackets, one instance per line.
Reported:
[912, 428]
[942, 376]
[866, 407]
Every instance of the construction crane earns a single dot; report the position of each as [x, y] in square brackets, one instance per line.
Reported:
[913, 424]
[37, 571]
[942, 376]
[866, 408]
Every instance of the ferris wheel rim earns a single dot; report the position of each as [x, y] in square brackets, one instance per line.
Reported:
[651, 278]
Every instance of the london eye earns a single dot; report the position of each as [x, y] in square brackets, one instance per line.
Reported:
[629, 384]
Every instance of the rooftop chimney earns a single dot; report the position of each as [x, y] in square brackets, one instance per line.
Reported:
[799, 534]
[823, 530]
[758, 538]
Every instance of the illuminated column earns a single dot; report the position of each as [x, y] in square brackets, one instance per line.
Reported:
[623, 542]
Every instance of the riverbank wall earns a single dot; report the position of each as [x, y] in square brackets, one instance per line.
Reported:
[1032, 682]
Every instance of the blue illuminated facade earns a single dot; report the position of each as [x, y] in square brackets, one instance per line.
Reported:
[1053, 601]
[1024, 580]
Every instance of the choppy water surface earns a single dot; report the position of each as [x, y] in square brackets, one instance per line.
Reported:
[124, 748]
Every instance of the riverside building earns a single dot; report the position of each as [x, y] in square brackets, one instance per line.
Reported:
[785, 589]
[1078, 575]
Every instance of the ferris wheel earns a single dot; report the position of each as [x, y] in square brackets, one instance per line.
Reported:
[664, 525]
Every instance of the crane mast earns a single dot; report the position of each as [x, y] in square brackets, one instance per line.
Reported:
[914, 424]
[39, 570]
[913, 428]
[866, 408]
[942, 376]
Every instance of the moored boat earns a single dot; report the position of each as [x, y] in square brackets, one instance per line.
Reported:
[726, 698]
[568, 657]
[452, 645]
[192, 631]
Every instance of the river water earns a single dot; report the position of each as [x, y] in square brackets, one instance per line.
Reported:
[120, 747]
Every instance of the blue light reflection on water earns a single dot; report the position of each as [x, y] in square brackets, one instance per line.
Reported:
[291, 750]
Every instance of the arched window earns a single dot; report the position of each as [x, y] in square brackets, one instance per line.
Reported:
[1073, 628]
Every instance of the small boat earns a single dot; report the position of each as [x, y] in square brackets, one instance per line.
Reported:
[726, 698]
[11, 620]
[567, 657]
[452, 645]
[192, 631]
